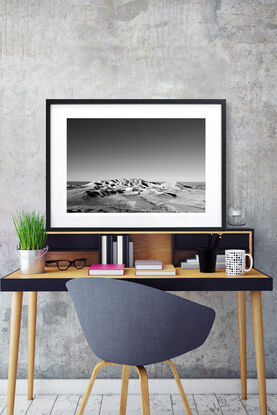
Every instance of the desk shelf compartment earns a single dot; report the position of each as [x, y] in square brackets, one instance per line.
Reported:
[72, 242]
[185, 245]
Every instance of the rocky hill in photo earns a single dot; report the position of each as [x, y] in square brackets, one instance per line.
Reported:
[135, 195]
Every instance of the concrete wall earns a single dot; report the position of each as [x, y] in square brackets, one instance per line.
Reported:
[140, 49]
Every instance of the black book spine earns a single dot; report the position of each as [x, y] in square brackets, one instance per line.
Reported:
[100, 250]
[126, 250]
[109, 249]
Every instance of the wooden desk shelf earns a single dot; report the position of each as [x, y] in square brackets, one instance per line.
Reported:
[168, 246]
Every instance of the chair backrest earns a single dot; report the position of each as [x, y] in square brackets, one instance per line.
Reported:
[132, 324]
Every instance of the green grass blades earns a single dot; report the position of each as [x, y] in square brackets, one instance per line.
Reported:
[30, 229]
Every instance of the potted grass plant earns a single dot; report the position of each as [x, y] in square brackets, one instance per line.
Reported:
[31, 232]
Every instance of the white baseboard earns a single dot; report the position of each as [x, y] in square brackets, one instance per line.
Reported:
[156, 386]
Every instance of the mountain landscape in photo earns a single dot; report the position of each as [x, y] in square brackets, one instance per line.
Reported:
[135, 195]
[135, 165]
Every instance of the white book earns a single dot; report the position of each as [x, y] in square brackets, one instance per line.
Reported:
[104, 269]
[110, 272]
[103, 249]
[131, 254]
[119, 249]
[114, 252]
[148, 264]
[187, 265]
[167, 270]
[192, 260]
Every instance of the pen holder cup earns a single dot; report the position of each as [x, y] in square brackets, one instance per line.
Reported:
[207, 259]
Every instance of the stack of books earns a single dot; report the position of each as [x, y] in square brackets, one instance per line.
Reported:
[220, 261]
[193, 263]
[103, 269]
[190, 263]
[153, 267]
[116, 250]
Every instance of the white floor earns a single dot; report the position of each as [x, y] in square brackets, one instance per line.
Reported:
[160, 404]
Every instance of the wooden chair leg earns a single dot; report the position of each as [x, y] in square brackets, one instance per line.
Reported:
[180, 386]
[124, 389]
[144, 392]
[95, 372]
[32, 316]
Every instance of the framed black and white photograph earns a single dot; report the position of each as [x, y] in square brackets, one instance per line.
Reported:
[135, 164]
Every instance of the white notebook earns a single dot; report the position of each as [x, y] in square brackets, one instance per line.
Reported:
[167, 270]
[148, 264]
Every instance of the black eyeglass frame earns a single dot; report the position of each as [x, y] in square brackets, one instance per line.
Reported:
[70, 262]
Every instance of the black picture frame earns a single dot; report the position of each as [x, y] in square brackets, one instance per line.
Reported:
[50, 102]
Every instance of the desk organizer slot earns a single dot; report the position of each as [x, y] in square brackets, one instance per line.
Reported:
[185, 245]
[73, 242]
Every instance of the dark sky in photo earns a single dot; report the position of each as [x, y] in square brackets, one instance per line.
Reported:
[151, 149]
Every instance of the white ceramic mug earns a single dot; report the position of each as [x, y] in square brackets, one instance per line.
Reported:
[235, 262]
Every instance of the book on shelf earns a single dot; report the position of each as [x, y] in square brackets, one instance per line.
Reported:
[166, 270]
[193, 260]
[148, 264]
[106, 249]
[131, 255]
[220, 258]
[114, 252]
[187, 265]
[123, 249]
[126, 250]
[109, 249]
[106, 269]
[120, 249]
[195, 264]
[103, 249]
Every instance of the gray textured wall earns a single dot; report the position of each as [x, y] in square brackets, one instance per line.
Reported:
[139, 49]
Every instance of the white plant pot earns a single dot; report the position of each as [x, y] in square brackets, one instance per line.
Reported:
[33, 261]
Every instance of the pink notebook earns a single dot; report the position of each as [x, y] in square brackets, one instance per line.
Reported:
[107, 269]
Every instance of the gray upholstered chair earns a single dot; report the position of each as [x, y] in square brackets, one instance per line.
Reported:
[134, 325]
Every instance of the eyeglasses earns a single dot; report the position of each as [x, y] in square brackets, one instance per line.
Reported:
[64, 264]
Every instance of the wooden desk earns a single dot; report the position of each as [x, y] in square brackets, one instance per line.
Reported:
[185, 280]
